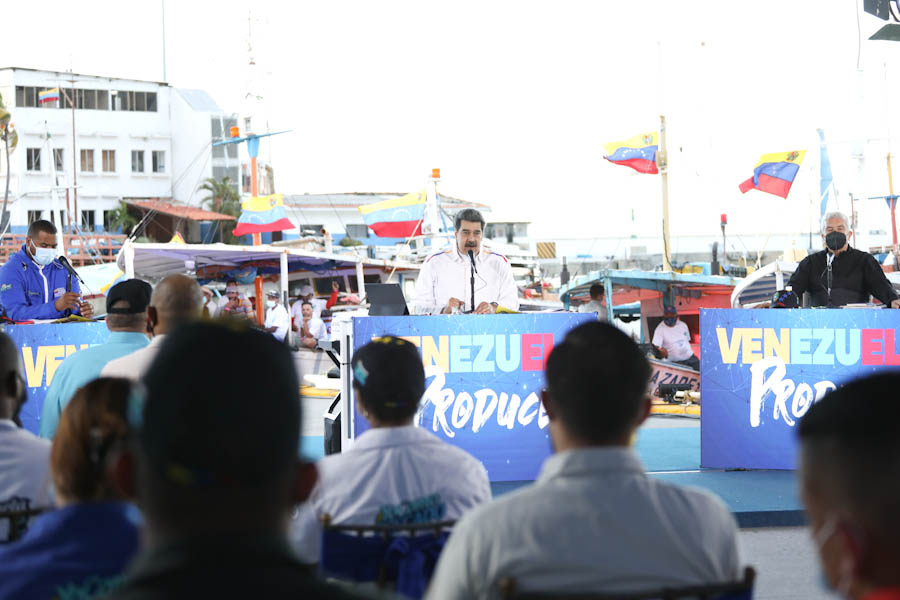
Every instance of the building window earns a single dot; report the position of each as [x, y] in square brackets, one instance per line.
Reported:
[109, 161]
[134, 101]
[137, 161]
[58, 159]
[34, 215]
[159, 161]
[33, 159]
[53, 217]
[87, 220]
[87, 161]
[358, 232]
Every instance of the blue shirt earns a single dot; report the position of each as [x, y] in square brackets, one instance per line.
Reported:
[80, 368]
[78, 551]
[28, 291]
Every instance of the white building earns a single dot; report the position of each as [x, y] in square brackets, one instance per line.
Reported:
[133, 139]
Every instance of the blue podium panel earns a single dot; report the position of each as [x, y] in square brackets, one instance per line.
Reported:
[484, 375]
[42, 348]
[762, 369]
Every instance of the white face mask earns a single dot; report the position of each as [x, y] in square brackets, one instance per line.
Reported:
[271, 303]
[821, 537]
[43, 256]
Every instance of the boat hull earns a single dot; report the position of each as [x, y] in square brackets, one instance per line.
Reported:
[663, 371]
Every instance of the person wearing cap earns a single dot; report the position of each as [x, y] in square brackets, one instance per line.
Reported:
[395, 472]
[126, 318]
[35, 285]
[216, 475]
[176, 300]
[235, 304]
[672, 340]
[444, 284]
[277, 319]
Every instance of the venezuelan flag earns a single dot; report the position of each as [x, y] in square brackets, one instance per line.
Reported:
[262, 214]
[397, 217]
[774, 173]
[638, 152]
[48, 95]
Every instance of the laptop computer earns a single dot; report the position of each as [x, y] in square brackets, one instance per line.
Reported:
[386, 300]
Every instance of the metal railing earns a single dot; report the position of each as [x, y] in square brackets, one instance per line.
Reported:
[81, 249]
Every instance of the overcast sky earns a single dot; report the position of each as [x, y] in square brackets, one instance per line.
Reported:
[513, 101]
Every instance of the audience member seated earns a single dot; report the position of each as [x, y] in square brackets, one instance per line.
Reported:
[215, 468]
[177, 299]
[309, 329]
[126, 319]
[850, 482]
[24, 457]
[81, 549]
[395, 473]
[593, 521]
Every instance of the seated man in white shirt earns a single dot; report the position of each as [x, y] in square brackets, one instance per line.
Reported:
[445, 283]
[395, 473]
[593, 522]
[278, 321]
[596, 304]
[309, 329]
[24, 457]
[672, 340]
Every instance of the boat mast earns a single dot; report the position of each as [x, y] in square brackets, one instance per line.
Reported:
[662, 165]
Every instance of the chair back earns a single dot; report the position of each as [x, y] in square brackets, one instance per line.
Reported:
[18, 522]
[736, 590]
[400, 555]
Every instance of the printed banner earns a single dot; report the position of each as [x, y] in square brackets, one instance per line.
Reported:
[762, 369]
[42, 348]
[483, 381]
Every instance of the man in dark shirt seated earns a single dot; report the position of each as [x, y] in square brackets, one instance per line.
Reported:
[840, 274]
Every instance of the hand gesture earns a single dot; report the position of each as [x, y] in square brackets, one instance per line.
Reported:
[453, 304]
[69, 300]
[485, 308]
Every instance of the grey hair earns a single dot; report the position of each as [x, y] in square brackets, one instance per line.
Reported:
[835, 215]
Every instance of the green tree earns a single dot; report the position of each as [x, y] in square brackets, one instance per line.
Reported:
[121, 219]
[223, 198]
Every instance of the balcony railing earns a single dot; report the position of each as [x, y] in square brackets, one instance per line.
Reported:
[81, 250]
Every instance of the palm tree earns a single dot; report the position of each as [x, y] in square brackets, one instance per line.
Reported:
[223, 198]
[120, 219]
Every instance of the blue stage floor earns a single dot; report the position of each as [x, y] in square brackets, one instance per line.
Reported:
[670, 450]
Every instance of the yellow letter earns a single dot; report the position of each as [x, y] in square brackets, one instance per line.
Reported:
[752, 345]
[436, 354]
[729, 350]
[55, 355]
[774, 347]
[34, 369]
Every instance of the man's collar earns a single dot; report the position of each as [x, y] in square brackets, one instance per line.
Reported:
[590, 461]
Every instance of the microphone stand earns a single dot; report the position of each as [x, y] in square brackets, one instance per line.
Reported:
[829, 276]
[472, 278]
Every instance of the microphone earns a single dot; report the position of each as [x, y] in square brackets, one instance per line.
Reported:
[472, 278]
[68, 266]
[829, 259]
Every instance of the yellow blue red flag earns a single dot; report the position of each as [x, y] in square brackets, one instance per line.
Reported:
[774, 173]
[638, 152]
[398, 217]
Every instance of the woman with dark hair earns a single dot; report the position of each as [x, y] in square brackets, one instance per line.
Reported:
[81, 549]
[395, 473]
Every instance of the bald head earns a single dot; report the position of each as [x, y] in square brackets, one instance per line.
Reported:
[12, 395]
[176, 300]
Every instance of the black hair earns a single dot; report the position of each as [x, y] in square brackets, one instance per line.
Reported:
[304, 303]
[597, 379]
[231, 280]
[41, 225]
[389, 373]
[469, 214]
[851, 452]
[597, 290]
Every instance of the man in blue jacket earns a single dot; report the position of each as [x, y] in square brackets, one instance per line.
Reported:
[34, 285]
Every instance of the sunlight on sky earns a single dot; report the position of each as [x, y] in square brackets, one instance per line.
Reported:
[514, 100]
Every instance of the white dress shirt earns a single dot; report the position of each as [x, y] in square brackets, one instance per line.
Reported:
[133, 366]
[317, 328]
[387, 471]
[594, 306]
[278, 317]
[24, 471]
[592, 522]
[675, 339]
[447, 274]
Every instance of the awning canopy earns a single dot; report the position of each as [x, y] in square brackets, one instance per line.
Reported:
[181, 211]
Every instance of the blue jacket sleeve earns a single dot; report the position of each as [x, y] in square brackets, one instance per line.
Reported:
[12, 296]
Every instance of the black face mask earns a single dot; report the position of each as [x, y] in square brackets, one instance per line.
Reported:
[835, 240]
[670, 321]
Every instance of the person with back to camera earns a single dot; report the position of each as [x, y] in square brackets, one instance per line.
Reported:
[394, 466]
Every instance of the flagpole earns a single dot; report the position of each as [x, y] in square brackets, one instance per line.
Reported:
[893, 200]
[662, 165]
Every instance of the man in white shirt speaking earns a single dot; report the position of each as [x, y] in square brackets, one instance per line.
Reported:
[672, 340]
[446, 281]
[593, 522]
[395, 473]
